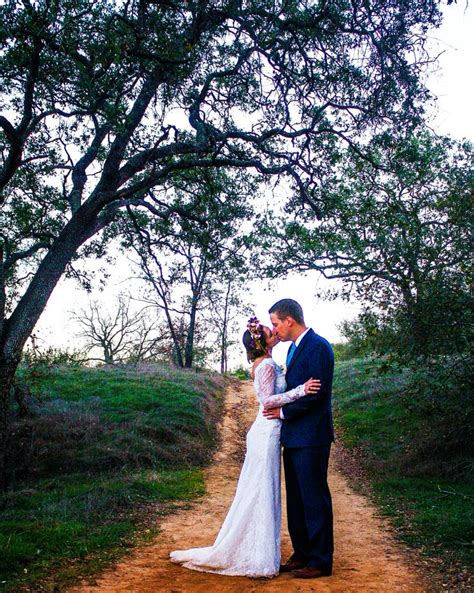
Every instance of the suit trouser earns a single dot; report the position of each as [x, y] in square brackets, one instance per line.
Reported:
[309, 504]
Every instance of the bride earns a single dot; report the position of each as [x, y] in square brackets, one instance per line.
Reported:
[248, 543]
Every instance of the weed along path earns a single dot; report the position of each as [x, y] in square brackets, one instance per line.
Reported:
[367, 559]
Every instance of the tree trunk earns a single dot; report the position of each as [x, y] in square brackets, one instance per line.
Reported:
[108, 357]
[7, 374]
[17, 329]
[225, 325]
[189, 348]
[224, 350]
[178, 355]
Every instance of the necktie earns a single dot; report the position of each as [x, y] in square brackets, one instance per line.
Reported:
[291, 351]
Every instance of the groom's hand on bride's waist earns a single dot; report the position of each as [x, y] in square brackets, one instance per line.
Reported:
[272, 414]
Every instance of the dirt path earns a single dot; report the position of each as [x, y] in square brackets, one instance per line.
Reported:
[367, 559]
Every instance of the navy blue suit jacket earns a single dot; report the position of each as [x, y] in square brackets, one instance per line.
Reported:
[308, 420]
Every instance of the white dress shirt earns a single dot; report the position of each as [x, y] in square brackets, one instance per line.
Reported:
[297, 342]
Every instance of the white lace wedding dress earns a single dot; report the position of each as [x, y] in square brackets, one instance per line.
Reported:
[248, 543]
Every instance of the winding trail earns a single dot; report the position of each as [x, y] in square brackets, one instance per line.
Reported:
[367, 558]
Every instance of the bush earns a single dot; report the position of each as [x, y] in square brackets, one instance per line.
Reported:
[416, 423]
[34, 357]
[241, 373]
[439, 394]
[345, 351]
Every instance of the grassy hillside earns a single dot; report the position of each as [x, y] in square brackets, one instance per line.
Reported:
[101, 450]
[419, 475]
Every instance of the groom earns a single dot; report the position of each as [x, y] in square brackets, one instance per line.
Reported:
[306, 435]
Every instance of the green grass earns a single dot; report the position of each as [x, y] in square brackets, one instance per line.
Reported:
[101, 419]
[106, 452]
[75, 517]
[430, 512]
[403, 448]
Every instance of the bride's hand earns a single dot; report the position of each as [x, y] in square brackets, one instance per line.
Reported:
[312, 386]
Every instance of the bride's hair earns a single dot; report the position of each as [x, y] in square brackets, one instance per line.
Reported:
[254, 348]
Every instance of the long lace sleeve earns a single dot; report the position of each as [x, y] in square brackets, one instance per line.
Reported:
[280, 399]
[265, 387]
[265, 384]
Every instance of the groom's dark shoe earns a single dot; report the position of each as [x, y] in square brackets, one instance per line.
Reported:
[310, 572]
[292, 564]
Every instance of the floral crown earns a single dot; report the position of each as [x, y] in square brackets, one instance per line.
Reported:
[256, 332]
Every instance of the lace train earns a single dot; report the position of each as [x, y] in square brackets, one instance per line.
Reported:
[249, 540]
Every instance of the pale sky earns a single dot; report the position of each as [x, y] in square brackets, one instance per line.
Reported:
[452, 83]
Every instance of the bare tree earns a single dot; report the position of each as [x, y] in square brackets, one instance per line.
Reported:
[121, 334]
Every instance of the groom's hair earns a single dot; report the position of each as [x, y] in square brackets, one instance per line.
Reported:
[288, 308]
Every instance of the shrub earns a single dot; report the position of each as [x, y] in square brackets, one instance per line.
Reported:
[241, 373]
[439, 394]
